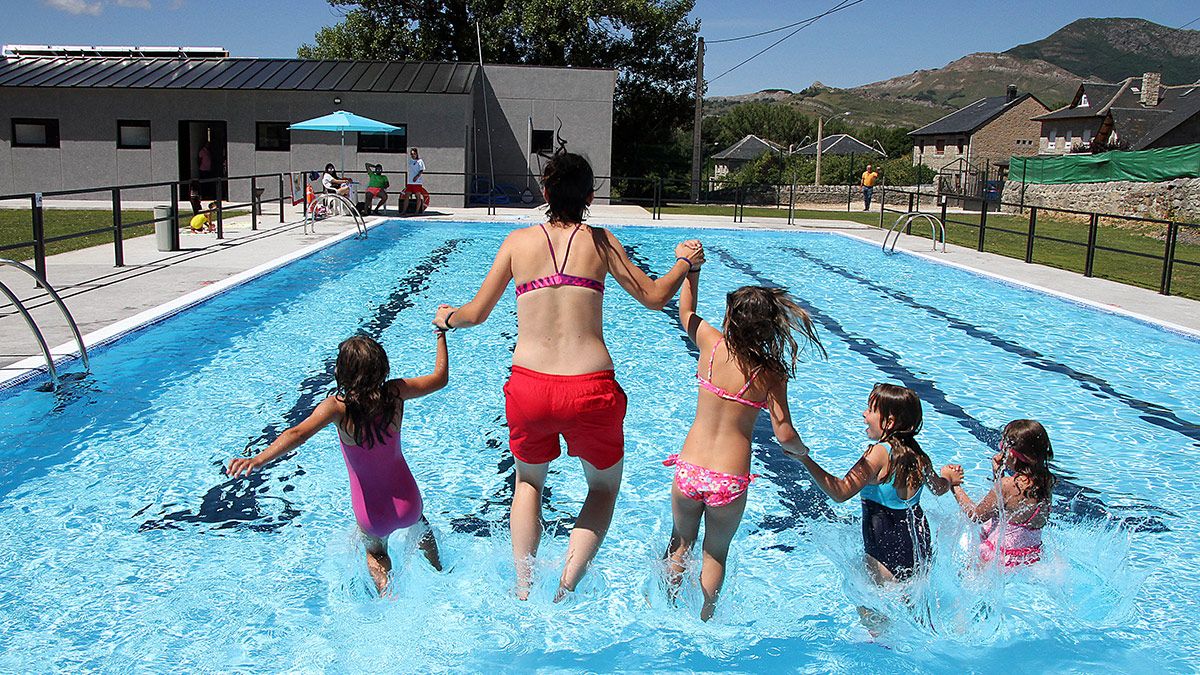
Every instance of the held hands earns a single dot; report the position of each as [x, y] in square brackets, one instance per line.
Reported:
[442, 316]
[692, 251]
[953, 473]
[797, 451]
[242, 466]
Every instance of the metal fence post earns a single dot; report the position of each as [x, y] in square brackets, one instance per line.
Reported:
[1169, 258]
[792, 202]
[118, 235]
[220, 219]
[944, 202]
[849, 196]
[304, 179]
[1032, 230]
[254, 207]
[1093, 227]
[281, 206]
[982, 223]
[882, 202]
[656, 210]
[174, 216]
[39, 235]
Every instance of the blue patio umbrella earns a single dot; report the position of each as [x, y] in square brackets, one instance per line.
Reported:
[343, 121]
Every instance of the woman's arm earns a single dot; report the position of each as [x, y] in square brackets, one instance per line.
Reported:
[859, 476]
[652, 293]
[415, 387]
[327, 411]
[984, 510]
[938, 484]
[688, 319]
[480, 307]
[781, 421]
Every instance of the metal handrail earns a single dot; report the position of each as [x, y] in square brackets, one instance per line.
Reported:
[310, 218]
[87, 366]
[936, 227]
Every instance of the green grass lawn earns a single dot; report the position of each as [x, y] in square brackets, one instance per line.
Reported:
[16, 226]
[962, 229]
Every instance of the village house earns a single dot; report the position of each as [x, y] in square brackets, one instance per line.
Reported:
[739, 154]
[1134, 114]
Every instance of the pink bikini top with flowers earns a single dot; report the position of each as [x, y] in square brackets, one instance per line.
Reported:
[560, 278]
[736, 398]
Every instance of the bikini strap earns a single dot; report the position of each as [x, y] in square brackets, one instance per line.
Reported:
[1030, 518]
[568, 251]
[551, 245]
[746, 387]
[713, 356]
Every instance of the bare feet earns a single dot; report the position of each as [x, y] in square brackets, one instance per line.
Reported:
[379, 565]
[429, 547]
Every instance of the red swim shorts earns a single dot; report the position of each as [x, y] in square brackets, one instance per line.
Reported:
[587, 410]
[374, 191]
[419, 191]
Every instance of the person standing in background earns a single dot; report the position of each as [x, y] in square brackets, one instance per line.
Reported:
[869, 177]
[416, 176]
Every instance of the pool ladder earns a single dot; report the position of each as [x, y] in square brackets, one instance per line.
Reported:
[331, 202]
[37, 332]
[936, 227]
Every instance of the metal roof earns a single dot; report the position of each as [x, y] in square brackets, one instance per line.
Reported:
[968, 119]
[1188, 107]
[750, 147]
[400, 77]
[840, 144]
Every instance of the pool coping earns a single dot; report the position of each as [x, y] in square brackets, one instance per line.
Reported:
[35, 366]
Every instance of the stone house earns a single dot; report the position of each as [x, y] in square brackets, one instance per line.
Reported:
[739, 154]
[1134, 114]
[979, 138]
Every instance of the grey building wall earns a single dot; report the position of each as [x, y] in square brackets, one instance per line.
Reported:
[575, 103]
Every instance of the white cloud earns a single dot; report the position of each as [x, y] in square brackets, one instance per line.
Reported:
[137, 4]
[74, 6]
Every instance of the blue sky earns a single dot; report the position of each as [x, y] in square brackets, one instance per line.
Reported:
[871, 41]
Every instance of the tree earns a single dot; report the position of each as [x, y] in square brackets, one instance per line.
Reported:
[651, 43]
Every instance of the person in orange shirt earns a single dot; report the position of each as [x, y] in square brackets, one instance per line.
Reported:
[869, 177]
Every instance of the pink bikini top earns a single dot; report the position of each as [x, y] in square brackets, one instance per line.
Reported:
[560, 278]
[736, 398]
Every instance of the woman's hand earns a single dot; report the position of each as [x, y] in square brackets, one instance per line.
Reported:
[441, 317]
[997, 464]
[693, 250]
[242, 466]
[953, 473]
[796, 449]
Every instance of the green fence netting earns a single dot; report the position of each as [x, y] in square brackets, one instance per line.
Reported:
[1143, 166]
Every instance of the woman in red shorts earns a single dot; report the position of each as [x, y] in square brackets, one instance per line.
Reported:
[562, 380]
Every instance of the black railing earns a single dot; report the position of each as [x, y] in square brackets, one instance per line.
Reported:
[1090, 225]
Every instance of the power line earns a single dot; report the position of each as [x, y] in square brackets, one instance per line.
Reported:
[1188, 23]
[844, 4]
[776, 30]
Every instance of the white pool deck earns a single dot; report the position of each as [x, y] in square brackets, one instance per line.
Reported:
[108, 301]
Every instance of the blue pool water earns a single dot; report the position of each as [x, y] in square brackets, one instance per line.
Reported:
[123, 547]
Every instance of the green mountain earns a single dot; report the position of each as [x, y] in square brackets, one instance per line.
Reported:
[1113, 49]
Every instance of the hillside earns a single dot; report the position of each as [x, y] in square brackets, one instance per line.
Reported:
[1113, 49]
[1051, 69]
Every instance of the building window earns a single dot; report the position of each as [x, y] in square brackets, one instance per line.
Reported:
[390, 141]
[1052, 139]
[939, 148]
[34, 133]
[272, 136]
[922, 145]
[133, 134]
[961, 143]
[542, 141]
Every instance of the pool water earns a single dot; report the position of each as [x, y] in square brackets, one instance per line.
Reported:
[123, 547]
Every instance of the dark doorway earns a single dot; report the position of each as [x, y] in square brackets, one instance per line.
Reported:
[203, 156]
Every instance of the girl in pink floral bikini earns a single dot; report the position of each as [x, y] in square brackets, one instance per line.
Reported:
[746, 371]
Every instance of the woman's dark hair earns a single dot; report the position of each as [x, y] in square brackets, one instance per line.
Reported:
[900, 416]
[568, 180]
[759, 323]
[331, 169]
[361, 372]
[1029, 445]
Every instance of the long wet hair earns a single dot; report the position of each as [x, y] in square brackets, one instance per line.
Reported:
[361, 373]
[569, 182]
[759, 327]
[1027, 442]
[900, 415]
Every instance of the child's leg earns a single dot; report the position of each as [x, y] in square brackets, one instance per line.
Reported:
[720, 524]
[428, 545]
[379, 564]
[592, 523]
[686, 528]
[525, 521]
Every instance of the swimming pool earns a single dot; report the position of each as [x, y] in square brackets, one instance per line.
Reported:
[124, 547]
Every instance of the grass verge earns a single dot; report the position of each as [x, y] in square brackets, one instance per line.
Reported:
[16, 226]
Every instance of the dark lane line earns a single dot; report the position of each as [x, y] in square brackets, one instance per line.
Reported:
[1079, 501]
[1153, 413]
[235, 502]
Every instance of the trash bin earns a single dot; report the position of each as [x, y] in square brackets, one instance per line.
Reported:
[162, 227]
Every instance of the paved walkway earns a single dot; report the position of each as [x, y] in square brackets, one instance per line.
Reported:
[100, 295]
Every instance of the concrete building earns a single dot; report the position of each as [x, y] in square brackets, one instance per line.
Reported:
[1136, 113]
[71, 122]
[976, 141]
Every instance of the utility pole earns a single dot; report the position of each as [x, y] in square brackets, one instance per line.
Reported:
[820, 136]
[699, 116]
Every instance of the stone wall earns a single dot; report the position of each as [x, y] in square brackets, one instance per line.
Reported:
[1011, 133]
[1177, 199]
[836, 195]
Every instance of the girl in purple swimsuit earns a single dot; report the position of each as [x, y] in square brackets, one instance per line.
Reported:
[746, 371]
[367, 409]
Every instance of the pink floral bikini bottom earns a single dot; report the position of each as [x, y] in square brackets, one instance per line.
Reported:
[714, 488]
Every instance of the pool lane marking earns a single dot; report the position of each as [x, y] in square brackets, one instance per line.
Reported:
[233, 503]
[1153, 413]
[1080, 500]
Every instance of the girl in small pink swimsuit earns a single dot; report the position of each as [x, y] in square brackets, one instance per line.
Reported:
[367, 409]
[1021, 473]
[744, 369]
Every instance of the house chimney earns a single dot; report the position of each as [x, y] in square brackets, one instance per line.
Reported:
[1011, 94]
[1150, 89]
